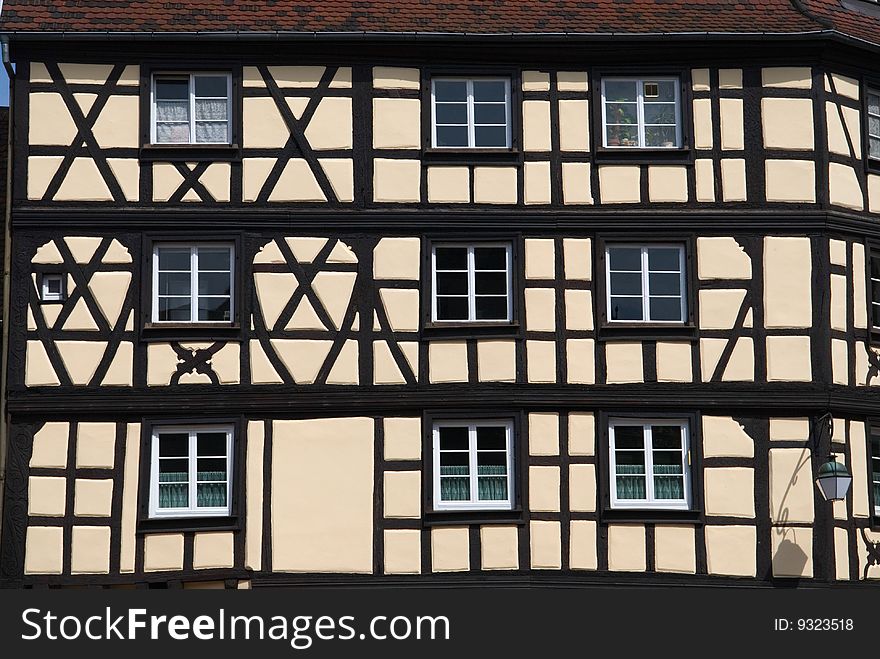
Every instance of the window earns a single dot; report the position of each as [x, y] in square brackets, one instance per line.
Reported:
[873, 131]
[646, 283]
[641, 113]
[875, 290]
[473, 465]
[650, 463]
[875, 470]
[471, 283]
[192, 283]
[52, 288]
[470, 113]
[191, 471]
[191, 108]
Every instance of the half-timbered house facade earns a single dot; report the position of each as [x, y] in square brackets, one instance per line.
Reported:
[430, 293]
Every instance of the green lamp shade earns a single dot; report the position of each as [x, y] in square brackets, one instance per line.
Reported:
[833, 480]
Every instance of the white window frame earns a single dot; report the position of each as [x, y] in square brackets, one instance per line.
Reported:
[872, 283]
[472, 291]
[192, 106]
[873, 437]
[194, 282]
[646, 286]
[474, 503]
[640, 109]
[192, 463]
[650, 501]
[470, 112]
[45, 294]
[873, 91]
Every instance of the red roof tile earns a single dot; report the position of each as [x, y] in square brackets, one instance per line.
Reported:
[482, 16]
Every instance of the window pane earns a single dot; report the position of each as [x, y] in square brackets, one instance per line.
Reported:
[454, 489]
[490, 113]
[666, 437]
[626, 308]
[174, 309]
[620, 90]
[622, 136]
[209, 108]
[452, 308]
[172, 89]
[454, 463]
[631, 487]
[874, 147]
[665, 283]
[875, 313]
[211, 443]
[491, 438]
[174, 283]
[172, 110]
[211, 86]
[53, 285]
[873, 103]
[452, 136]
[874, 126]
[666, 89]
[489, 90]
[451, 258]
[214, 309]
[875, 267]
[491, 308]
[490, 136]
[453, 438]
[490, 283]
[211, 469]
[450, 90]
[490, 258]
[660, 113]
[662, 136]
[492, 488]
[626, 283]
[173, 444]
[621, 113]
[212, 132]
[174, 258]
[213, 258]
[451, 113]
[667, 462]
[668, 487]
[211, 495]
[629, 437]
[491, 462]
[214, 283]
[665, 308]
[663, 258]
[452, 283]
[625, 258]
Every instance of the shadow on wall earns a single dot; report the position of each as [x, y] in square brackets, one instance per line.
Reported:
[789, 559]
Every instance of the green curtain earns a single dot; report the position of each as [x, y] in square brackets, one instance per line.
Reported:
[631, 487]
[668, 487]
[211, 495]
[458, 488]
[173, 490]
[492, 487]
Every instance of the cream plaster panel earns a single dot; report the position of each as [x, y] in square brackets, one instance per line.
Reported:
[49, 122]
[345, 368]
[38, 368]
[841, 554]
[787, 123]
[791, 486]
[719, 308]
[83, 183]
[703, 123]
[791, 77]
[574, 122]
[839, 361]
[251, 77]
[131, 76]
[297, 183]
[789, 429]
[166, 180]
[48, 253]
[843, 85]
[129, 498]
[576, 185]
[787, 282]
[582, 488]
[667, 184]
[675, 549]
[449, 185]
[216, 180]
[262, 124]
[536, 189]
[859, 465]
[496, 361]
[619, 184]
[296, 76]
[109, 289]
[254, 173]
[213, 550]
[80, 319]
[730, 78]
[93, 497]
[50, 446]
[163, 552]
[704, 174]
[402, 308]
[623, 360]
[536, 125]
[499, 548]
[837, 252]
[546, 545]
[226, 363]
[544, 489]
[860, 311]
[397, 123]
[541, 359]
[674, 362]
[447, 361]
[873, 193]
[741, 367]
[303, 358]
[722, 258]
[626, 548]
[127, 172]
[44, 549]
[85, 74]
[305, 249]
[700, 80]
[389, 77]
[403, 438]
[725, 437]
[450, 549]
[578, 309]
[403, 551]
[729, 491]
[844, 187]
[50, 312]
[540, 258]
[340, 173]
[733, 179]
[161, 364]
[572, 81]
[342, 79]
[322, 495]
[535, 81]
[788, 359]
[47, 496]
[402, 496]
[838, 302]
[90, 550]
[117, 125]
[577, 257]
[792, 552]
[396, 181]
[334, 291]
[254, 468]
[837, 136]
[732, 134]
[581, 433]
[582, 545]
[274, 289]
[262, 371]
[731, 550]
[385, 368]
[790, 180]
[40, 171]
[495, 185]
[95, 445]
[341, 253]
[540, 309]
[331, 125]
[81, 359]
[580, 361]
[39, 72]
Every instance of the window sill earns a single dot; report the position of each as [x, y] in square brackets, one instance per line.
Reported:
[189, 152]
[652, 515]
[460, 330]
[190, 332]
[154, 525]
[465, 517]
[647, 332]
[467, 156]
[629, 155]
